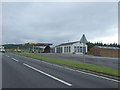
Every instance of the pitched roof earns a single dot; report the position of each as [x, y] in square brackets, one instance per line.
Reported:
[67, 43]
[106, 47]
[83, 39]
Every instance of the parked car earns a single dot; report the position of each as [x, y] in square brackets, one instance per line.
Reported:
[19, 51]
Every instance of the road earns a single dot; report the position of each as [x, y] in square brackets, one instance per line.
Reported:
[0, 71]
[95, 60]
[23, 72]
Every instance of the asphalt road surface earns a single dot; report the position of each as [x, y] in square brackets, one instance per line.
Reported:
[23, 72]
[95, 60]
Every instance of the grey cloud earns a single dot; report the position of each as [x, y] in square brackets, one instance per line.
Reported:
[57, 22]
[0, 24]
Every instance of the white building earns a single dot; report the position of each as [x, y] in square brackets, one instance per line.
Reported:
[71, 47]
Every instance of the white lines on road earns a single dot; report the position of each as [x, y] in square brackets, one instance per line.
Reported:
[98, 76]
[15, 59]
[7, 55]
[82, 72]
[12, 58]
[64, 82]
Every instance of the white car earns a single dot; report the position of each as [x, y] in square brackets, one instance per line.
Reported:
[19, 51]
[2, 49]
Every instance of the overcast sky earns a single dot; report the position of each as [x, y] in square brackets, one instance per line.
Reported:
[59, 22]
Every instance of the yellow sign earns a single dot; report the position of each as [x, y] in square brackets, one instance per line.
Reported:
[32, 43]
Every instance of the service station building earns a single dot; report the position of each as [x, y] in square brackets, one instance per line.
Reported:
[71, 47]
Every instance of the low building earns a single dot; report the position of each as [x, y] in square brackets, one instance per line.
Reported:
[71, 47]
[105, 51]
[46, 49]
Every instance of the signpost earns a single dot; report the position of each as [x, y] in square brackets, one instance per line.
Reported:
[84, 41]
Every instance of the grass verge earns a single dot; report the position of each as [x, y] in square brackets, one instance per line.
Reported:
[99, 69]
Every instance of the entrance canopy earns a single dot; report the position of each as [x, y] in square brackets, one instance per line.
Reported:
[36, 44]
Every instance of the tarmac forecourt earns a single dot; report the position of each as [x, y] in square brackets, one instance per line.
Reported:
[83, 66]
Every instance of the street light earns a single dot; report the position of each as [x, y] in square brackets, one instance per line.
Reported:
[84, 41]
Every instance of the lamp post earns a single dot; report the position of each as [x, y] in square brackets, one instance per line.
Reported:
[84, 41]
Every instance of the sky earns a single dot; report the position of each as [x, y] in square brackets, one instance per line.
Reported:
[59, 22]
[0, 23]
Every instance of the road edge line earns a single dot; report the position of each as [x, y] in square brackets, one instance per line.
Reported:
[53, 77]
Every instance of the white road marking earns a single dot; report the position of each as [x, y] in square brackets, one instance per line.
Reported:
[7, 56]
[78, 71]
[64, 82]
[82, 72]
[15, 59]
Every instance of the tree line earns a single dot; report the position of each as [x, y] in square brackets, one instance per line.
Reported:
[90, 44]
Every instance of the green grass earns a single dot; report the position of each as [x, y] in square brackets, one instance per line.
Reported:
[99, 69]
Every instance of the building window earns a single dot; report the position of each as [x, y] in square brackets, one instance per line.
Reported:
[84, 49]
[74, 48]
[80, 49]
[64, 49]
[61, 50]
[52, 50]
[69, 49]
[58, 50]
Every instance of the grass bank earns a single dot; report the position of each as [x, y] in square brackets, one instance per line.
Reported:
[99, 69]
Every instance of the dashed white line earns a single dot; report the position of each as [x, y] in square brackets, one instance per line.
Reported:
[15, 59]
[64, 82]
[7, 56]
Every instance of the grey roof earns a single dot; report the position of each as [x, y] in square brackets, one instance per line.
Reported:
[106, 47]
[70, 43]
[83, 39]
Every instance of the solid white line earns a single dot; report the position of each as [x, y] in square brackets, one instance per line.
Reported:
[66, 83]
[82, 72]
[15, 59]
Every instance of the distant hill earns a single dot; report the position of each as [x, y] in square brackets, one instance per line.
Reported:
[14, 46]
